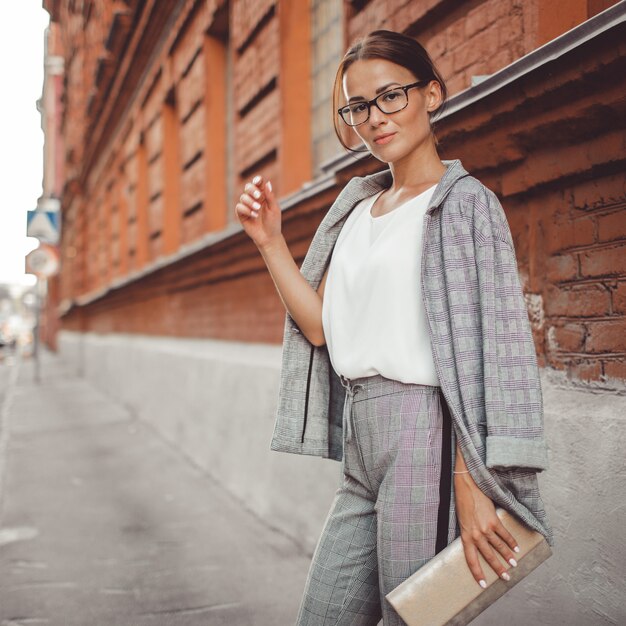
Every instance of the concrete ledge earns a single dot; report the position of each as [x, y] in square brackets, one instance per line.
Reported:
[214, 401]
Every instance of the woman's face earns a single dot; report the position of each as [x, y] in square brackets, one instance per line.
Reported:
[367, 78]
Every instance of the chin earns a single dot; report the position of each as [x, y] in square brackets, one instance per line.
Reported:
[387, 156]
[380, 157]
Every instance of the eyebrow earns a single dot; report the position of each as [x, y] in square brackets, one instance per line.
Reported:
[379, 90]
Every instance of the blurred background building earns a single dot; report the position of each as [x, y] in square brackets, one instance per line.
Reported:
[157, 113]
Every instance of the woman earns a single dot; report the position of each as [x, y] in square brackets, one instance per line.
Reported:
[392, 356]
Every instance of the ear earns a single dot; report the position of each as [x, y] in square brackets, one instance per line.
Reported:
[433, 96]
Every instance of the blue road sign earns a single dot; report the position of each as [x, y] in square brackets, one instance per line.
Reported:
[43, 225]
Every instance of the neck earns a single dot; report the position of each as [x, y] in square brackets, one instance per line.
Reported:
[420, 167]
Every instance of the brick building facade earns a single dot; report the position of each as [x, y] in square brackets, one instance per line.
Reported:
[50, 105]
[169, 108]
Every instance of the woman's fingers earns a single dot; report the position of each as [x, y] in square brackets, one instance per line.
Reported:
[471, 556]
[490, 545]
[250, 202]
[246, 206]
[258, 195]
[482, 532]
[244, 212]
[486, 546]
[502, 540]
[254, 193]
[269, 192]
[251, 198]
[509, 543]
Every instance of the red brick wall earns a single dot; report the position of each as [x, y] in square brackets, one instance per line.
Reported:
[160, 143]
[585, 296]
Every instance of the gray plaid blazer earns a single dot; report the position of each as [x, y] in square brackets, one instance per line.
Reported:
[481, 338]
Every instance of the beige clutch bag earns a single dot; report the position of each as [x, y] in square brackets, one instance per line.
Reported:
[445, 593]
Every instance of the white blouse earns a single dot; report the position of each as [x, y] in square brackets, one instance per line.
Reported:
[373, 315]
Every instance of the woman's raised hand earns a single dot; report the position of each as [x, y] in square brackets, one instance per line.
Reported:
[258, 212]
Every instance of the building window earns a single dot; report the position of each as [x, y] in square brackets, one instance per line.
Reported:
[327, 51]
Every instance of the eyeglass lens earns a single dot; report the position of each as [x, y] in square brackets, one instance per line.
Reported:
[390, 102]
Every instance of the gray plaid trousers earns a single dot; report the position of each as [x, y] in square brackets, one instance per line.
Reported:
[394, 509]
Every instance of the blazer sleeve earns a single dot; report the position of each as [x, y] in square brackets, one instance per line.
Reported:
[512, 387]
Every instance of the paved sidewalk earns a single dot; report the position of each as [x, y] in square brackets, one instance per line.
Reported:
[102, 522]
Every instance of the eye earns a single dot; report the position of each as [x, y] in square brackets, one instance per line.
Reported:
[358, 107]
[392, 95]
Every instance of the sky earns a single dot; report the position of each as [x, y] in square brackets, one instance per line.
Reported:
[21, 138]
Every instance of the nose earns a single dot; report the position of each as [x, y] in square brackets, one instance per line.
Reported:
[376, 115]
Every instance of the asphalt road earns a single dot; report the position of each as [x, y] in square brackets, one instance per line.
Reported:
[102, 522]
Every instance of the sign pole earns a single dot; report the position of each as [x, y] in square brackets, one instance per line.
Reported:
[37, 326]
[43, 261]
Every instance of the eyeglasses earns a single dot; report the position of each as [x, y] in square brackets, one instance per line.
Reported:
[390, 101]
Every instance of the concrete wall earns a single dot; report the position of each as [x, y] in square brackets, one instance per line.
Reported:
[215, 402]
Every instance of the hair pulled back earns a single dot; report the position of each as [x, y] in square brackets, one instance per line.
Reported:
[397, 48]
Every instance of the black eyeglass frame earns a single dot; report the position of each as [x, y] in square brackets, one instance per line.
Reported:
[374, 101]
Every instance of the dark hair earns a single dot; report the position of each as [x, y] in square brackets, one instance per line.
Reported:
[397, 48]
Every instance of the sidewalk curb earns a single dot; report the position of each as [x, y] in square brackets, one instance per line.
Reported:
[5, 425]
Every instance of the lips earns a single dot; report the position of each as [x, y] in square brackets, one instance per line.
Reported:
[383, 139]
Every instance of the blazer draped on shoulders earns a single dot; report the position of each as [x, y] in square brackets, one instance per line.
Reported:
[481, 338]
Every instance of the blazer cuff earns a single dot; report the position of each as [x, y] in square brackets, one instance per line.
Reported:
[509, 452]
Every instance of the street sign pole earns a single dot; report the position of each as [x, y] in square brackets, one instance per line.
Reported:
[37, 326]
[43, 261]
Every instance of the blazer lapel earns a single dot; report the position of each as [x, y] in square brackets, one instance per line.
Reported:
[318, 256]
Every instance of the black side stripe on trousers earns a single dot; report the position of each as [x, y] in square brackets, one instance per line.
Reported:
[445, 486]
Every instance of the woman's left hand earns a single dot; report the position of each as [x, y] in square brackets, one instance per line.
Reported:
[481, 529]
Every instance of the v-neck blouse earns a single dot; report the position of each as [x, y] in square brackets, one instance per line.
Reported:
[373, 314]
